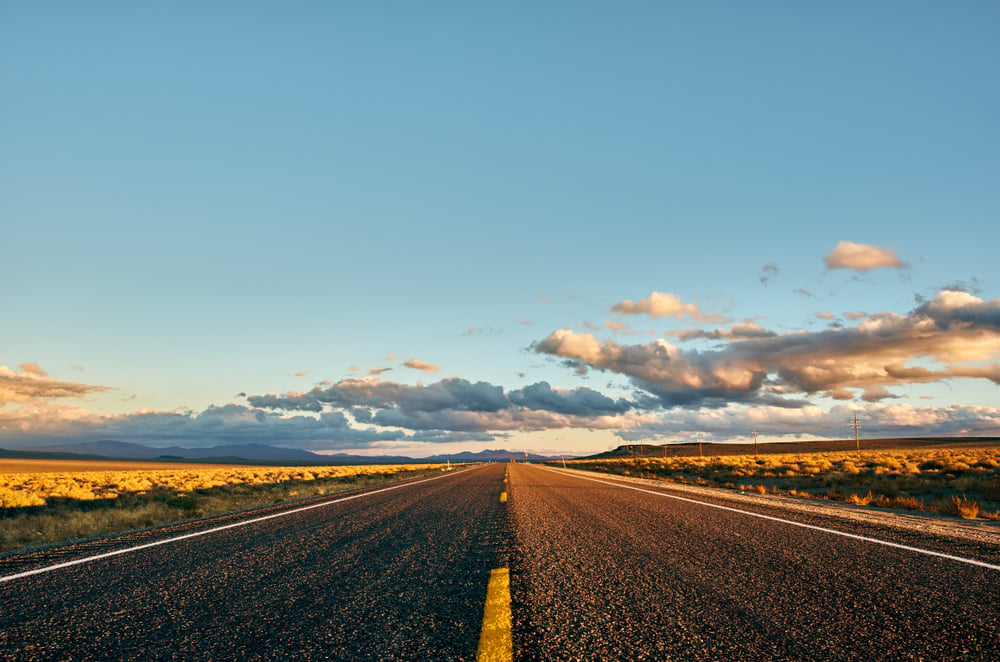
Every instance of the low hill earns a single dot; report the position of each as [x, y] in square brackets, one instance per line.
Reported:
[787, 448]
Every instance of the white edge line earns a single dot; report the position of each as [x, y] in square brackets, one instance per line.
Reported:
[97, 557]
[918, 550]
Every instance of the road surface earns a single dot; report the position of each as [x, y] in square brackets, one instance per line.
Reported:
[597, 568]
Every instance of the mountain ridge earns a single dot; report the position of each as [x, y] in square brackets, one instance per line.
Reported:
[111, 449]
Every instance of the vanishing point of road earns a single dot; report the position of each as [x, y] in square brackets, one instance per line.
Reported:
[508, 562]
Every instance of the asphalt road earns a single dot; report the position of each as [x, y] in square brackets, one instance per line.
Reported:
[598, 571]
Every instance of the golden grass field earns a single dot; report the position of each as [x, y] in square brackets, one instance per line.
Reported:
[45, 501]
[35, 482]
[963, 481]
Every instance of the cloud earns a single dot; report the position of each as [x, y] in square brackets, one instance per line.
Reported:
[956, 331]
[452, 393]
[482, 331]
[32, 368]
[676, 377]
[579, 401]
[301, 373]
[417, 364]
[862, 257]
[32, 384]
[735, 332]
[767, 272]
[458, 405]
[228, 424]
[972, 286]
[664, 304]
[877, 419]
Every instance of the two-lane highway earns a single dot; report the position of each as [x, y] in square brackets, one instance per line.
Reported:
[602, 570]
[397, 574]
[543, 564]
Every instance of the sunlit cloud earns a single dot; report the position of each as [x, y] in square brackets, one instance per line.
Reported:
[956, 331]
[31, 384]
[423, 366]
[664, 304]
[862, 257]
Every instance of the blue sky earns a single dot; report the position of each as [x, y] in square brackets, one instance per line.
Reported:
[240, 223]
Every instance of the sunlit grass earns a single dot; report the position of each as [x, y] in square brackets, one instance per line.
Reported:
[45, 507]
[957, 481]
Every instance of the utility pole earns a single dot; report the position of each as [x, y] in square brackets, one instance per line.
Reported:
[857, 435]
[755, 442]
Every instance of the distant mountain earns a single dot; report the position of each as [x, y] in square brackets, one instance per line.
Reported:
[488, 456]
[123, 450]
[250, 453]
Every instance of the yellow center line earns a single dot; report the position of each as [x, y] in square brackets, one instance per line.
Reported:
[503, 497]
[495, 642]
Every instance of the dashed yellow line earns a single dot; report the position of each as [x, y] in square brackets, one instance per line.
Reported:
[503, 497]
[495, 642]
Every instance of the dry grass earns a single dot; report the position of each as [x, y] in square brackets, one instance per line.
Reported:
[54, 506]
[964, 507]
[958, 481]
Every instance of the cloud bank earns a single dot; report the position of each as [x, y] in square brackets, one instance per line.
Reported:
[956, 332]
[727, 381]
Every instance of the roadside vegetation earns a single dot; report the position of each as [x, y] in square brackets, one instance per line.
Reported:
[39, 507]
[956, 481]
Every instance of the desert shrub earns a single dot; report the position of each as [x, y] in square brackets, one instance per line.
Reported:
[966, 508]
[859, 499]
